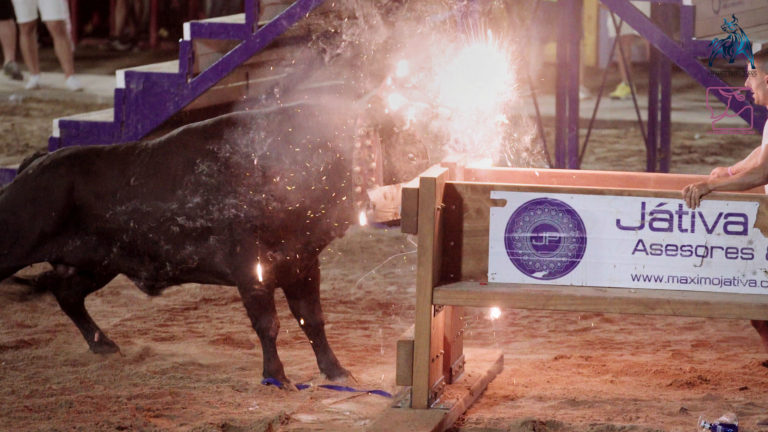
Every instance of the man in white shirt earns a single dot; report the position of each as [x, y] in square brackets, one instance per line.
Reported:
[748, 173]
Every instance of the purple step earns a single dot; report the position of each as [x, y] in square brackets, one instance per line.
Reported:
[145, 97]
[233, 28]
[7, 174]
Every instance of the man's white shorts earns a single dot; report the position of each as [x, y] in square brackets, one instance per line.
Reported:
[50, 10]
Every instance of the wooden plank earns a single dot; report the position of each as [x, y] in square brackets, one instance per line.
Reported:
[404, 419]
[453, 343]
[467, 212]
[409, 207]
[484, 366]
[710, 14]
[431, 184]
[606, 300]
[587, 178]
[455, 164]
[236, 86]
[404, 361]
[385, 201]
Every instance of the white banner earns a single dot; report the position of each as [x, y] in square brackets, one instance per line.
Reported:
[627, 241]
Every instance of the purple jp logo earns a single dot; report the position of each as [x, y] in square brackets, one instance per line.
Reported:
[720, 116]
[545, 238]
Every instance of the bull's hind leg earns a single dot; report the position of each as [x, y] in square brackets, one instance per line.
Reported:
[259, 301]
[70, 287]
[304, 301]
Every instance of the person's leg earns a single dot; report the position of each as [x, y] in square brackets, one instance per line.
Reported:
[137, 11]
[121, 14]
[623, 90]
[61, 45]
[8, 40]
[28, 45]
[26, 18]
[626, 47]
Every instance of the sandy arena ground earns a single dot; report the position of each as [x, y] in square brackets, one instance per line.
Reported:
[191, 362]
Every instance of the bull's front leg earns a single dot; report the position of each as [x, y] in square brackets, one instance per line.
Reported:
[304, 300]
[70, 286]
[259, 301]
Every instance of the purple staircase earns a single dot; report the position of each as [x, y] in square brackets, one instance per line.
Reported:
[147, 96]
[686, 54]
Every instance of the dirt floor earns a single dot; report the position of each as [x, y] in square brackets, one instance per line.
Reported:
[189, 360]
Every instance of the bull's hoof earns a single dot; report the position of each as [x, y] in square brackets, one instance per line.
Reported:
[104, 346]
[283, 382]
[337, 373]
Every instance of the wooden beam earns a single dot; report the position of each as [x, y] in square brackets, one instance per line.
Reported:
[409, 207]
[483, 366]
[385, 201]
[587, 178]
[606, 300]
[431, 184]
[404, 363]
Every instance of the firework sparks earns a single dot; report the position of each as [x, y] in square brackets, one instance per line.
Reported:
[462, 88]
[477, 81]
[259, 272]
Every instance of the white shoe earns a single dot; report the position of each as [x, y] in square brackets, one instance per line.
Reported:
[73, 83]
[33, 82]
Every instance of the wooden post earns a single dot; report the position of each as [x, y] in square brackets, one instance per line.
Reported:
[453, 344]
[431, 185]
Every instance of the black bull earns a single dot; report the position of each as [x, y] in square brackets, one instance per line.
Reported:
[202, 204]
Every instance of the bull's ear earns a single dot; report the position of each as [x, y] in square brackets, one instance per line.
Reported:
[735, 20]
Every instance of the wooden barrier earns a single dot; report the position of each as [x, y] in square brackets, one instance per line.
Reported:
[452, 217]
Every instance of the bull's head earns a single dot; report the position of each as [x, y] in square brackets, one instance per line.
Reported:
[730, 26]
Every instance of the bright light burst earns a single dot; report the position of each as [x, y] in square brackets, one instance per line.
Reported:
[362, 219]
[463, 88]
[395, 101]
[402, 69]
[477, 81]
[494, 313]
[259, 272]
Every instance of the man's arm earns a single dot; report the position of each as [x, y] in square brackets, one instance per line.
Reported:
[740, 166]
[750, 172]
